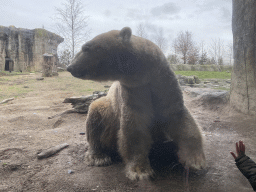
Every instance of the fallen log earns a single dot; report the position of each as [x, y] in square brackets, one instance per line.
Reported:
[6, 100]
[80, 104]
[51, 151]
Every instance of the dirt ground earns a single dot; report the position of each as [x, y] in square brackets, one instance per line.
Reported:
[25, 130]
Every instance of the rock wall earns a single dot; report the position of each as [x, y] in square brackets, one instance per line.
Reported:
[23, 49]
[186, 67]
[243, 84]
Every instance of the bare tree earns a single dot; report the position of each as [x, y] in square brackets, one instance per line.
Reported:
[213, 50]
[65, 57]
[203, 58]
[217, 50]
[203, 53]
[141, 32]
[173, 59]
[202, 47]
[159, 39]
[71, 23]
[230, 52]
[175, 46]
[156, 35]
[184, 44]
[221, 52]
[193, 55]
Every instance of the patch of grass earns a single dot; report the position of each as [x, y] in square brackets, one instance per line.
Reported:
[4, 79]
[221, 88]
[7, 73]
[16, 91]
[64, 85]
[206, 74]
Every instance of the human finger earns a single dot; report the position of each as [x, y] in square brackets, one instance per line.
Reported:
[243, 147]
[233, 155]
[237, 148]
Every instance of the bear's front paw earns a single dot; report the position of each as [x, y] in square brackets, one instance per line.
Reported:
[97, 159]
[194, 159]
[138, 172]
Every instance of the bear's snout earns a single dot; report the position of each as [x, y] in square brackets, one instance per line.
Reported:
[73, 69]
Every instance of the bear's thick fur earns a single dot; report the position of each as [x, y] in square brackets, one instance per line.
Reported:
[143, 106]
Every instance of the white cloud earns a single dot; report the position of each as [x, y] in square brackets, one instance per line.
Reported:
[165, 9]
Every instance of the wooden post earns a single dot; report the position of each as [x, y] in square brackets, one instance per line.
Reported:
[48, 65]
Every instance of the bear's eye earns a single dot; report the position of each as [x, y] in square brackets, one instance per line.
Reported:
[85, 48]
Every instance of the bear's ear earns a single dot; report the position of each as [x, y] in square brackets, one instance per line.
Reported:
[126, 34]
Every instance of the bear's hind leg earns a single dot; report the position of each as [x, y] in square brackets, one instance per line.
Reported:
[101, 134]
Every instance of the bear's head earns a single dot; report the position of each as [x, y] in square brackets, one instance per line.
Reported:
[115, 55]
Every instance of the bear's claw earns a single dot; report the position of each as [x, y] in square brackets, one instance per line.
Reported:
[139, 173]
[193, 160]
[98, 160]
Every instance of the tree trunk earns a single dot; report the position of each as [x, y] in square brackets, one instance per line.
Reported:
[243, 84]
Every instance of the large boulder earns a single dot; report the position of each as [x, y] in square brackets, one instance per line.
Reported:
[188, 80]
[243, 85]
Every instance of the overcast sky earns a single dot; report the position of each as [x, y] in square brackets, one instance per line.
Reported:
[206, 19]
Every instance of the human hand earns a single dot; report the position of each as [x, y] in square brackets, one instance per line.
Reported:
[240, 150]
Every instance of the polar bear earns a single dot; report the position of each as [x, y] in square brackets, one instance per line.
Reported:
[144, 105]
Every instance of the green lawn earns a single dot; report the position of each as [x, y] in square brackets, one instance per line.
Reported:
[206, 74]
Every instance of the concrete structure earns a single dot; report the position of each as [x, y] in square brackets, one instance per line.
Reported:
[23, 49]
